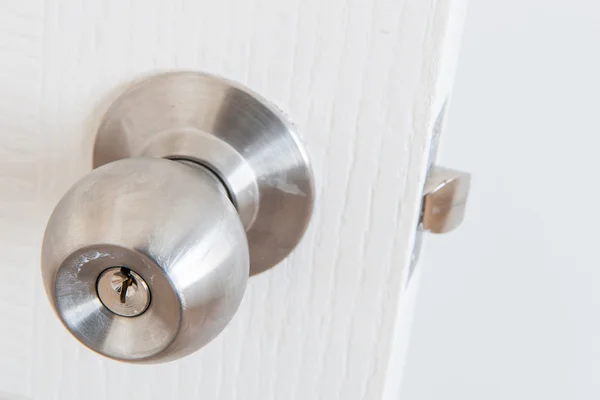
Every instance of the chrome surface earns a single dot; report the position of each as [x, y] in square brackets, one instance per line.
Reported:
[174, 227]
[234, 132]
[198, 183]
[123, 291]
[444, 199]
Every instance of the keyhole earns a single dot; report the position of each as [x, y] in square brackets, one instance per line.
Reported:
[128, 280]
[123, 291]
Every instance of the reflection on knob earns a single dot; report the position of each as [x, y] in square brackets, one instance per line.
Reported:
[145, 259]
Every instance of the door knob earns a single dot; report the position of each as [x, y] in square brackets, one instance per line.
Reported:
[198, 184]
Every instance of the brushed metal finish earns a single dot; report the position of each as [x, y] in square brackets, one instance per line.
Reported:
[246, 141]
[444, 199]
[175, 227]
[123, 291]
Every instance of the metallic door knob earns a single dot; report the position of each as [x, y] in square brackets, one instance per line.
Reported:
[198, 184]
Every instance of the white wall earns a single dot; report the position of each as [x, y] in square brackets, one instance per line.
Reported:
[509, 306]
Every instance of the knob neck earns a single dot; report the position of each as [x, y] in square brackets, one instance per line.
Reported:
[218, 157]
[201, 167]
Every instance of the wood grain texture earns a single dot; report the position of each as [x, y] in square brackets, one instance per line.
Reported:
[356, 78]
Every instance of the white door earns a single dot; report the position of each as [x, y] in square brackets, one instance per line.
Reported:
[364, 81]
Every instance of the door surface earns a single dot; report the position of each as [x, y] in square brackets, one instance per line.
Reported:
[364, 82]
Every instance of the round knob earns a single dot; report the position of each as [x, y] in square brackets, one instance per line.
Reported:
[199, 183]
[145, 259]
